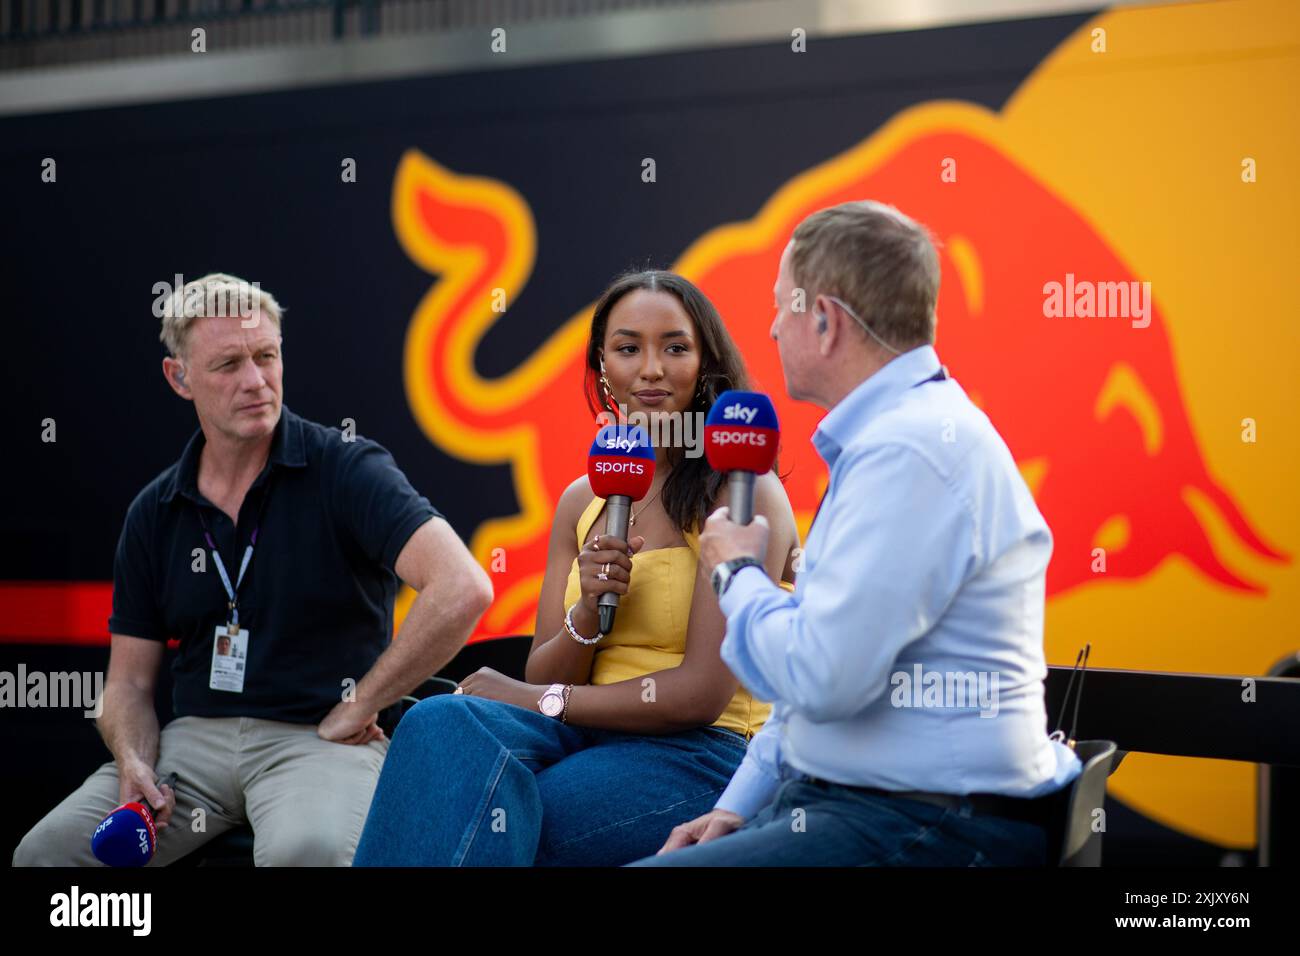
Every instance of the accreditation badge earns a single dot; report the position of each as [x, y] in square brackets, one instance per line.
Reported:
[229, 656]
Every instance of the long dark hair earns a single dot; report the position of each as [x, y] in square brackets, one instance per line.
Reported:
[692, 488]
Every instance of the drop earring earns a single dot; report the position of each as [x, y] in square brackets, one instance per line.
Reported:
[604, 384]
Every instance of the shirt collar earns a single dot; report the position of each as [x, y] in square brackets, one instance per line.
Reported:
[872, 395]
[287, 451]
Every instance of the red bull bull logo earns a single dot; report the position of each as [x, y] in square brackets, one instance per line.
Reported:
[1092, 412]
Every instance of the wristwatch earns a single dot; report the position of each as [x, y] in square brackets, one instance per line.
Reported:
[724, 572]
[553, 701]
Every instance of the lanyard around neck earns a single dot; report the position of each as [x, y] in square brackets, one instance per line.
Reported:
[232, 591]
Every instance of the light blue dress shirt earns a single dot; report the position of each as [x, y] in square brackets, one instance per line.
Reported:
[910, 655]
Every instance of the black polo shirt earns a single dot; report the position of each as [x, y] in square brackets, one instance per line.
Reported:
[317, 598]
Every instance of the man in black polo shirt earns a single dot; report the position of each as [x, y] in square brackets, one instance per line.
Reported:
[272, 551]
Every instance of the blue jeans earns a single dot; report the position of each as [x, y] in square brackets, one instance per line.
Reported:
[475, 782]
[810, 824]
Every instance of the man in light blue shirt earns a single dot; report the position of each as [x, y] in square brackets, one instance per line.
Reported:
[906, 668]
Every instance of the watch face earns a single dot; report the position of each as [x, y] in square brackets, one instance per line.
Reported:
[552, 704]
[720, 575]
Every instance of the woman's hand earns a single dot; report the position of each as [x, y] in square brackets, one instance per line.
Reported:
[608, 556]
[485, 682]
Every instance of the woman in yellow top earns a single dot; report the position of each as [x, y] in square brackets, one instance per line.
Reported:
[614, 739]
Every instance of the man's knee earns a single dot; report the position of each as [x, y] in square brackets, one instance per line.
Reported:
[55, 841]
[315, 817]
[684, 856]
[304, 845]
[29, 851]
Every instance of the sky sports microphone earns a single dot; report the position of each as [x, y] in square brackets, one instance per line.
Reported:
[127, 836]
[621, 467]
[740, 439]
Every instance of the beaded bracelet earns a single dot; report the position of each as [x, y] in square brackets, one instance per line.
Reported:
[573, 632]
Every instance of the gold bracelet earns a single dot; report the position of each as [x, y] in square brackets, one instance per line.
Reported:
[564, 714]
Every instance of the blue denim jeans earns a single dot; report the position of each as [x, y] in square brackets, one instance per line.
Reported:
[810, 824]
[475, 782]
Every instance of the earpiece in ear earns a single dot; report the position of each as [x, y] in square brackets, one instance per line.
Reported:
[821, 321]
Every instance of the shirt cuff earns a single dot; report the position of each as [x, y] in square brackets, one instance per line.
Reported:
[128, 628]
[750, 790]
[745, 584]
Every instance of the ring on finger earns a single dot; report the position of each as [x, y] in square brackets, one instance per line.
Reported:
[602, 576]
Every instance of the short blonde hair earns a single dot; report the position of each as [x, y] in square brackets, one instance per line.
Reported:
[215, 294]
[879, 261]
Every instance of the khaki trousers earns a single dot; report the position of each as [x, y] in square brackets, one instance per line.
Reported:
[306, 798]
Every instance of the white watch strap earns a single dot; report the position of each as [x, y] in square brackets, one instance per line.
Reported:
[555, 690]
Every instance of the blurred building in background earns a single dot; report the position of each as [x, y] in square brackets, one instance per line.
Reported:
[71, 53]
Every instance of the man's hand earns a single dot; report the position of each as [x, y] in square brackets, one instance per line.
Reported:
[723, 540]
[485, 682]
[348, 723]
[714, 824]
[136, 784]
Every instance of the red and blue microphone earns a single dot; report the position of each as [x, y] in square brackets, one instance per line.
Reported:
[741, 435]
[621, 468]
[128, 836]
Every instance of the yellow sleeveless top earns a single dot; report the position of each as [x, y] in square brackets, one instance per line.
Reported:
[652, 620]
